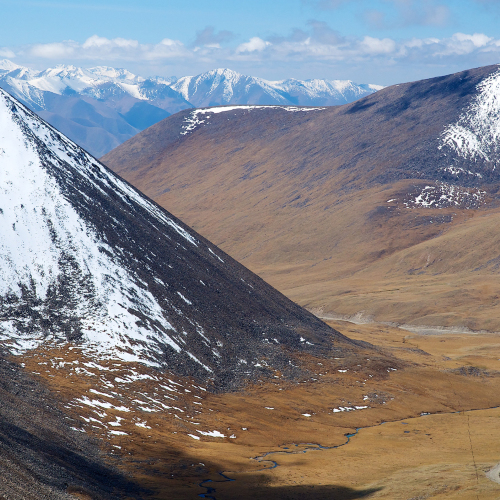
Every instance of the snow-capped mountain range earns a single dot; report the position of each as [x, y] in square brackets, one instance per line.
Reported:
[101, 107]
[86, 258]
[223, 86]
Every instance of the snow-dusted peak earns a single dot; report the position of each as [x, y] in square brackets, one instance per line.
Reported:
[223, 86]
[6, 66]
[22, 73]
[64, 71]
[86, 259]
[115, 74]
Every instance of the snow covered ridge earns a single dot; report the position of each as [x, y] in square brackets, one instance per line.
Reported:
[220, 86]
[193, 120]
[475, 136]
[224, 86]
[47, 249]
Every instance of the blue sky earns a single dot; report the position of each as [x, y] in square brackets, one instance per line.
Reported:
[378, 41]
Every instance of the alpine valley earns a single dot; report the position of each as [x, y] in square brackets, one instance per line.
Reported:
[139, 360]
[385, 208]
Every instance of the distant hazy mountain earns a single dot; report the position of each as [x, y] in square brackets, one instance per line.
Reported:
[101, 107]
[98, 108]
[224, 86]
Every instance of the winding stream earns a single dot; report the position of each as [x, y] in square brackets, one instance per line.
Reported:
[493, 474]
[305, 447]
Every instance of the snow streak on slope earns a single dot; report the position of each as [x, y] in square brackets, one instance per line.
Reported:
[193, 119]
[476, 134]
[53, 263]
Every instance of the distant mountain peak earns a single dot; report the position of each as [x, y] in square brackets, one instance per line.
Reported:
[7, 66]
[224, 86]
[120, 74]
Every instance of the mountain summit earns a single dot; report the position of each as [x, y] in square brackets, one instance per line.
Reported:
[85, 258]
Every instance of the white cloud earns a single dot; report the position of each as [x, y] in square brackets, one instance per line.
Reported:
[5, 52]
[370, 45]
[318, 47]
[253, 45]
[116, 49]
[62, 50]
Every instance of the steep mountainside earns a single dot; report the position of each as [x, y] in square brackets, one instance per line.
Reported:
[85, 258]
[360, 208]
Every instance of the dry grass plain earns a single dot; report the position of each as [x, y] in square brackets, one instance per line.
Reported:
[397, 453]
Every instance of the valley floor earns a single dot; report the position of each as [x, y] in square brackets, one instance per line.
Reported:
[421, 412]
[443, 455]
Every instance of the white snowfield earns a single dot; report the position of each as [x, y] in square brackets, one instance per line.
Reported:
[39, 229]
[476, 134]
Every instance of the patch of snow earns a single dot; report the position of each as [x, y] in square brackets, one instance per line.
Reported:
[216, 434]
[118, 433]
[476, 134]
[444, 195]
[349, 408]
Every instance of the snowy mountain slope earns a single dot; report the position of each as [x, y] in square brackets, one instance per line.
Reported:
[473, 139]
[86, 258]
[224, 86]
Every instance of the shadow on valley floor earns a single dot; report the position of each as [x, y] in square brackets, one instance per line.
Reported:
[253, 486]
[41, 455]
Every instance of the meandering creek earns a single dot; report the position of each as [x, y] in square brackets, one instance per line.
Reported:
[210, 485]
[286, 450]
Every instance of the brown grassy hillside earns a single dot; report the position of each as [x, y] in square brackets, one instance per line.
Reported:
[302, 198]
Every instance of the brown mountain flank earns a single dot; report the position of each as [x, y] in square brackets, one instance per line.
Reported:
[323, 202]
